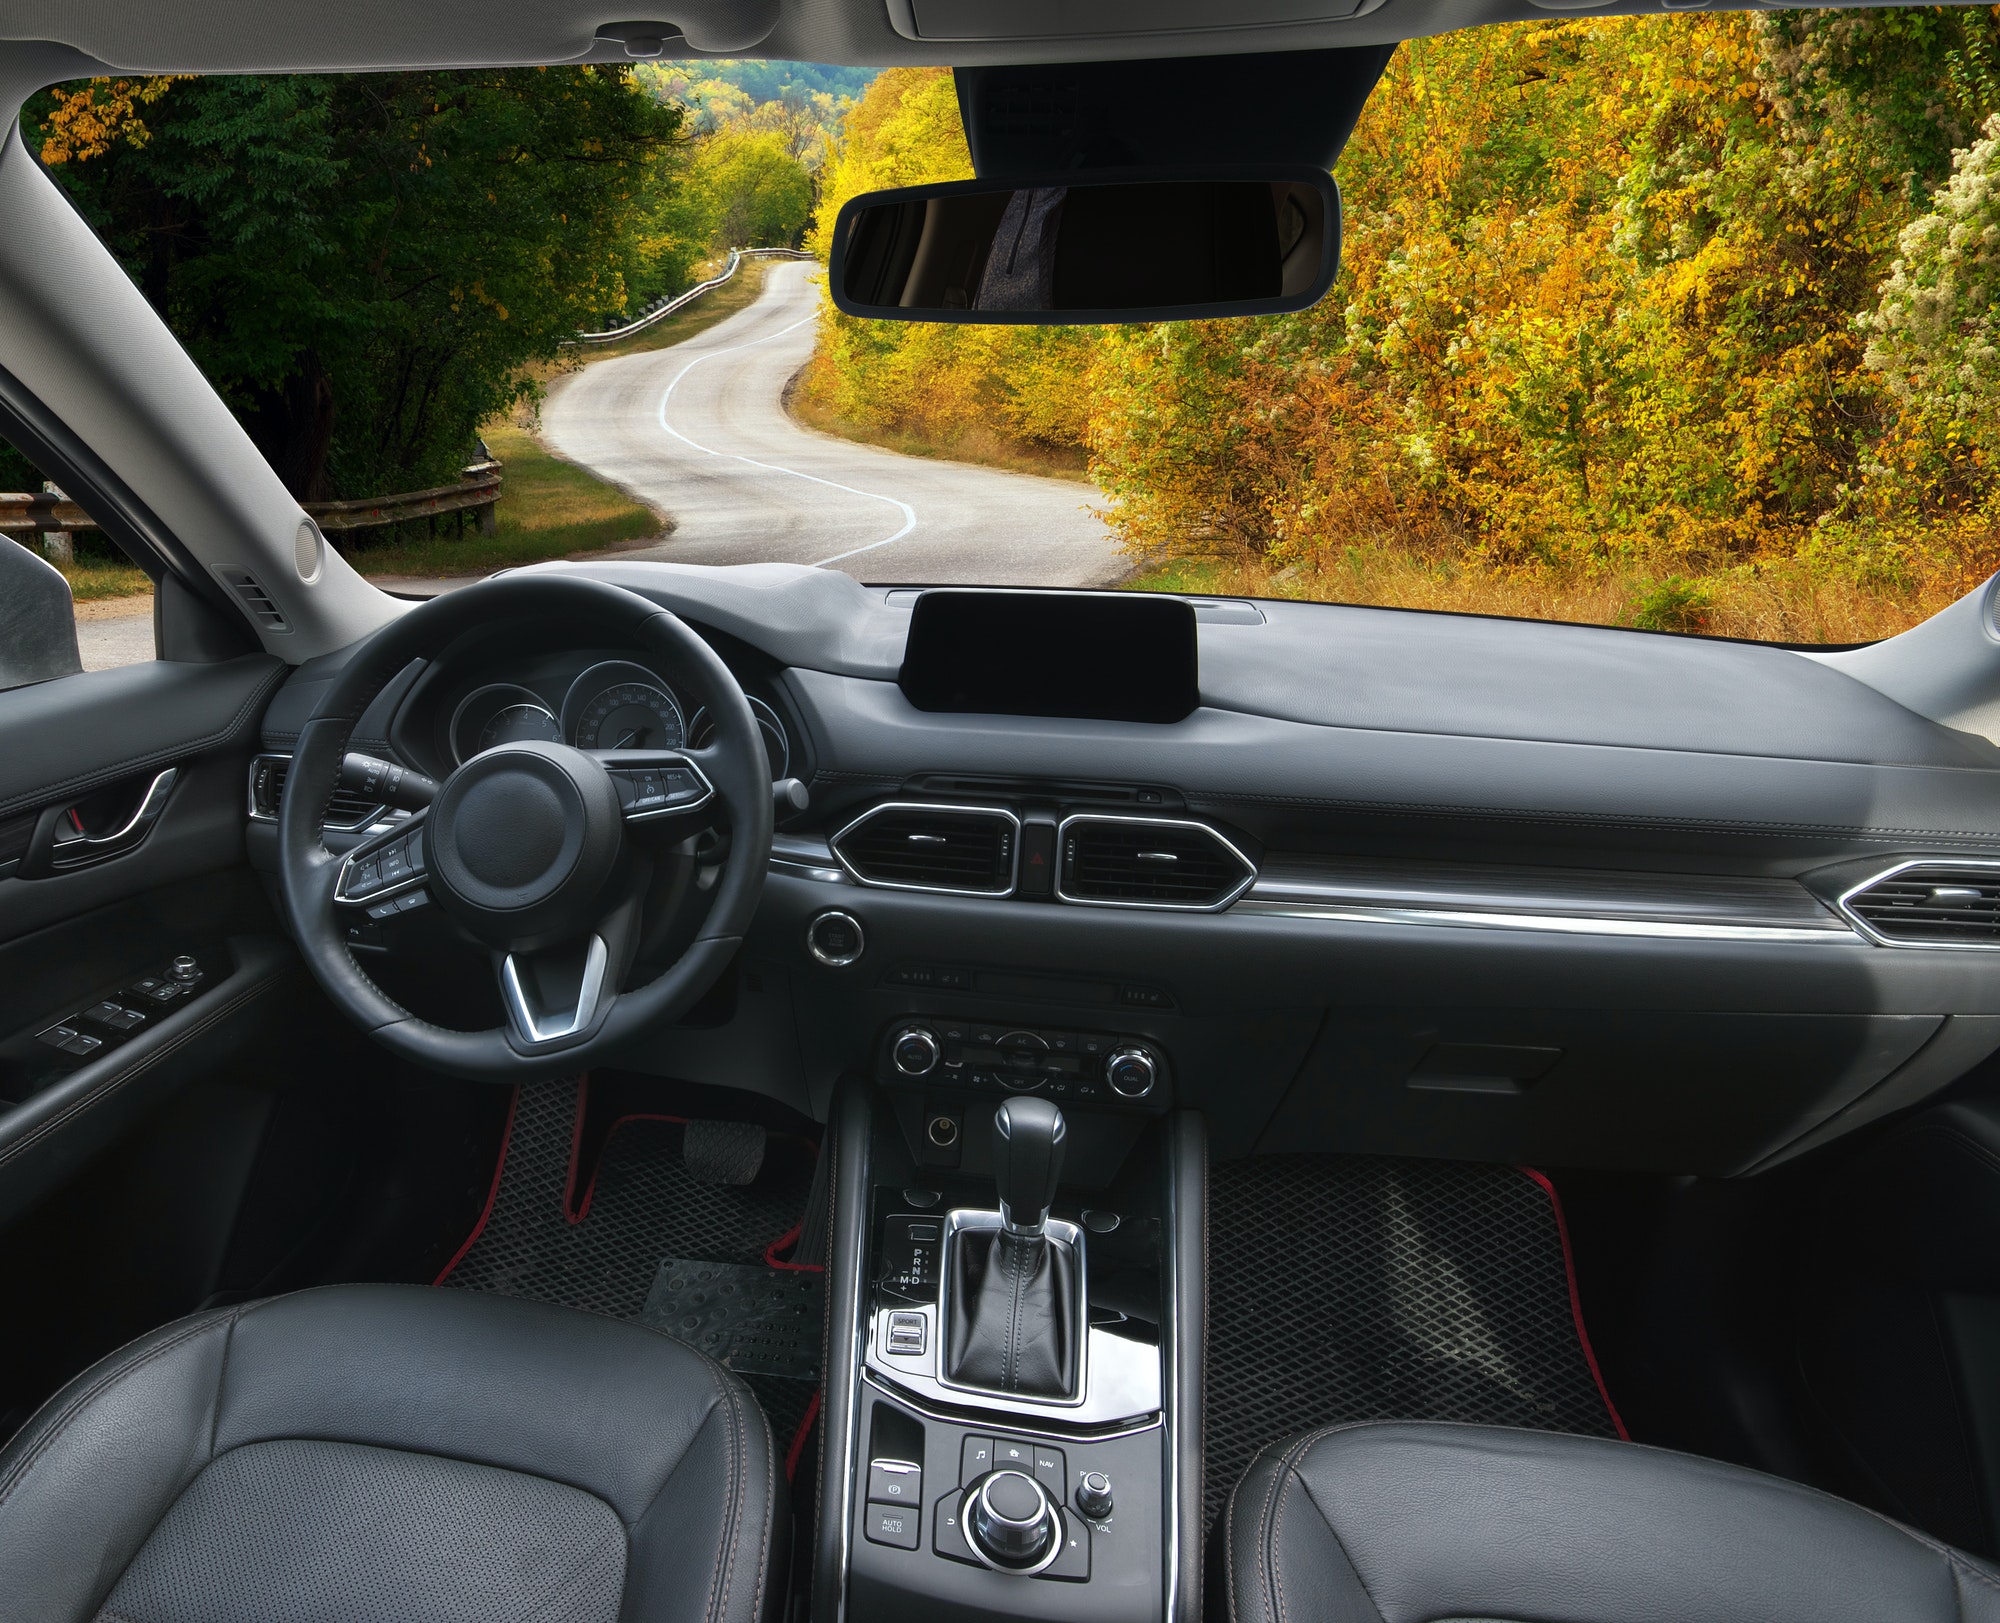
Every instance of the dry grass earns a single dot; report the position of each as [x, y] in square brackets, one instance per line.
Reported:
[1785, 602]
[982, 444]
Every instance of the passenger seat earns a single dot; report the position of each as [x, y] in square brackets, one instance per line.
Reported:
[1398, 1522]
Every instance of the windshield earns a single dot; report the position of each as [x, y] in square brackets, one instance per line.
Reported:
[1684, 323]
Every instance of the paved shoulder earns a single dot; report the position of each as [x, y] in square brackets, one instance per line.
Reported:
[700, 429]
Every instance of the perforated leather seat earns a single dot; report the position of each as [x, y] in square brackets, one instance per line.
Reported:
[1409, 1523]
[395, 1453]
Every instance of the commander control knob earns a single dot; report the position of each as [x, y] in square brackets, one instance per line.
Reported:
[915, 1051]
[1093, 1495]
[1011, 1520]
[1131, 1072]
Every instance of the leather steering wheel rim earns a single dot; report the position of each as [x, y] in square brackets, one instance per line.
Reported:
[735, 765]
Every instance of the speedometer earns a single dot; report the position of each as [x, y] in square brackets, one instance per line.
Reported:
[621, 706]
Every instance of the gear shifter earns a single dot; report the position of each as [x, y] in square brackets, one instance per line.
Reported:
[1028, 1139]
[1014, 1319]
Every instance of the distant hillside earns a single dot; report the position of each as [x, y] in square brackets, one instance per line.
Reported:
[768, 81]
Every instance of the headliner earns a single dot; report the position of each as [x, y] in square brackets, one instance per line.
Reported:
[259, 36]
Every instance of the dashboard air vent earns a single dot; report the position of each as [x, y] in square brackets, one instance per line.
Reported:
[347, 810]
[1149, 862]
[968, 850]
[1931, 904]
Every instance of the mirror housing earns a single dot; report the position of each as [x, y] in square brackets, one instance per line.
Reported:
[1091, 248]
[37, 619]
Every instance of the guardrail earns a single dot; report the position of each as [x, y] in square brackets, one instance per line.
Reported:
[680, 301]
[27, 516]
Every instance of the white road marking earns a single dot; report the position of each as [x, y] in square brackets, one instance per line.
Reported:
[909, 513]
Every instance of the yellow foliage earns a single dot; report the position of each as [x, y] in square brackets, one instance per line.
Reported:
[88, 120]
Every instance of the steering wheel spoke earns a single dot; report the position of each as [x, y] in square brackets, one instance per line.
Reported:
[555, 995]
[386, 874]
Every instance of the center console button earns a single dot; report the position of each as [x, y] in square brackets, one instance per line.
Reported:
[1050, 1471]
[1011, 1451]
[895, 1482]
[1093, 1494]
[897, 1525]
[1072, 1561]
[975, 1460]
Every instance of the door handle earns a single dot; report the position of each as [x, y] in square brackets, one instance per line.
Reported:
[62, 840]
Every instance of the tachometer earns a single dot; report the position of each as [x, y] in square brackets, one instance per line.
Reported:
[504, 713]
[620, 706]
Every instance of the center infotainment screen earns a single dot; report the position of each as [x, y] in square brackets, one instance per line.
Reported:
[1097, 656]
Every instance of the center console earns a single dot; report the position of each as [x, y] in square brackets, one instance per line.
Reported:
[1014, 1434]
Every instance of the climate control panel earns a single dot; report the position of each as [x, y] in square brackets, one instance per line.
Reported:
[982, 1056]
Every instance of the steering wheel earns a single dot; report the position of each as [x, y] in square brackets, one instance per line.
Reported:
[529, 845]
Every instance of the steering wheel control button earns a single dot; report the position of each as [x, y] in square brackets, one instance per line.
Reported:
[1011, 1522]
[894, 1525]
[836, 939]
[895, 1482]
[1093, 1495]
[651, 791]
[916, 1051]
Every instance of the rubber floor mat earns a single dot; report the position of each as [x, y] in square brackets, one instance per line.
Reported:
[1366, 1288]
[599, 1246]
[756, 1321]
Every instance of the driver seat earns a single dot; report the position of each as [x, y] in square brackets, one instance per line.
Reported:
[391, 1454]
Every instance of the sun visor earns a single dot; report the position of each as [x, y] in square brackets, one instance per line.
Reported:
[1296, 107]
[1028, 20]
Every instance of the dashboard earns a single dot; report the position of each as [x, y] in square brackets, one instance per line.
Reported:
[1399, 883]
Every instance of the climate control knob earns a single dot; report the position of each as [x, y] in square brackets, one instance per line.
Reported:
[1011, 1520]
[1131, 1072]
[915, 1051]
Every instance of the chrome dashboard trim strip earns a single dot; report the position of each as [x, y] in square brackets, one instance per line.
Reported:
[859, 878]
[1863, 928]
[1249, 868]
[1548, 923]
[256, 816]
[799, 856]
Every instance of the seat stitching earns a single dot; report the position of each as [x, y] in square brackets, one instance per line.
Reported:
[725, 1556]
[76, 1405]
[770, 1494]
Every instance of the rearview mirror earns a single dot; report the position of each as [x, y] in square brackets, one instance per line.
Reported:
[1075, 249]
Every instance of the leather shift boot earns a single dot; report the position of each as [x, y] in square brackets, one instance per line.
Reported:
[1012, 1319]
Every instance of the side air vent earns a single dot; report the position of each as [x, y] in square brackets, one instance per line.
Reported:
[250, 592]
[347, 810]
[1149, 862]
[967, 850]
[1930, 904]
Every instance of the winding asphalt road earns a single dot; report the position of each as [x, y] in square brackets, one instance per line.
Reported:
[700, 431]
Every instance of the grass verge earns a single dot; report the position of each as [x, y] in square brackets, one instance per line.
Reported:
[981, 444]
[548, 508]
[97, 580]
[1783, 601]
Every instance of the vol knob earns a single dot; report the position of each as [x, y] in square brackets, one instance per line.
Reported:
[1011, 1520]
[1093, 1495]
[1131, 1073]
[915, 1051]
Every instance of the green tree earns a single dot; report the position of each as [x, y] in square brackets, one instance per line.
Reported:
[364, 265]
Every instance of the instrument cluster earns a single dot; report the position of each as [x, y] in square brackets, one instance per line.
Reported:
[613, 704]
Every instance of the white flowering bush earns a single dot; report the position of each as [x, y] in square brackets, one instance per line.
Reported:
[1934, 335]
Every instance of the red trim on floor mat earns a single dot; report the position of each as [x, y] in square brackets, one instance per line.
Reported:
[576, 1147]
[799, 1437]
[1576, 1301]
[590, 1189]
[492, 1193]
[790, 1237]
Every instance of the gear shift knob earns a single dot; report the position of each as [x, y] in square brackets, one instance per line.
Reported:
[1027, 1161]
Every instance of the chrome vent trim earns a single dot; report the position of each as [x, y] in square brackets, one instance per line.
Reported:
[1933, 902]
[346, 812]
[946, 850]
[1132, 856]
